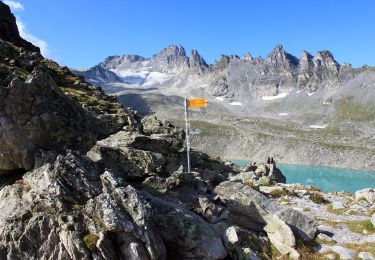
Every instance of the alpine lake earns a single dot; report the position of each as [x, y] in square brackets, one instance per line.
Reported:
[327, 178]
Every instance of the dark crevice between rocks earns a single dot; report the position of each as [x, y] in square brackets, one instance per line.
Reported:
[10, 177]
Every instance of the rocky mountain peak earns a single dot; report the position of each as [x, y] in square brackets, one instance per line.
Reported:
[306, 56]
[222, 62]
[9, 30]
[325, 65]
[324, 54]
[326, 58]
[173, 51]
[248, 57]
[172, 58]
[196, 61]
[279, 57]
[306, 61]
[112, 62]
[314, 71]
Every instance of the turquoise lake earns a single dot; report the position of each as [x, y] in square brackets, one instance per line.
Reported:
[328, 179]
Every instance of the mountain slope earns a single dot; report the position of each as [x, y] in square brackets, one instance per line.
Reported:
[45, 107]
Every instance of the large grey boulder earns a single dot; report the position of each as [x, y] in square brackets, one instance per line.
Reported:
[302, 226]
[343, 252]
[366, 256]
[244, 209]
[365, 194]
[130, 163]
[249, 208]
[163, 137]
[37, 115]
[188, 235]
[281, 236]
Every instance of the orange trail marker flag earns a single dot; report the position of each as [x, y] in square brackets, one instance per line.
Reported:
[197, 103]
[191, 103]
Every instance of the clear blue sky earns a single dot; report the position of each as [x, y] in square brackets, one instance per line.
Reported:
[81, 33]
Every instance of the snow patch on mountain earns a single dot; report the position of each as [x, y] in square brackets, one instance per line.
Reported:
[235, 103]
[310, 93]
[280, 95]
[156, 78]
[318, 126]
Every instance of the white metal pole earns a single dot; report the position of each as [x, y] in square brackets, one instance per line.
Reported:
[187, 135]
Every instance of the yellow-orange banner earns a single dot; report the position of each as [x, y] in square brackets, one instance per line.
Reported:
[197, 102]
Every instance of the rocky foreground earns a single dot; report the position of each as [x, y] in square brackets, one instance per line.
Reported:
[129, 198]
[81, 177]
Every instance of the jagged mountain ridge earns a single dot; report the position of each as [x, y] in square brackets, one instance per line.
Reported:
[312, 100]
[279, 70]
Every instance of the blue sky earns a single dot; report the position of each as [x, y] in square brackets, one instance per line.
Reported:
[81, 33]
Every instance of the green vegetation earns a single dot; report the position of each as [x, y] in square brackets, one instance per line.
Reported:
[209, 129]
[90, 241]
[361, 226]
[347, 109]
[42, 208]
[90, 97]
[26, 187]
[279, 192]
[249, 182]
[191, 228]
[366, 247]
[335, 211]
[307, 250]
[283, 200]
[354, 226]
[84, 98]
[331, 129]
[330, 243]
[264, 181]
[317, 198]
[275, 253]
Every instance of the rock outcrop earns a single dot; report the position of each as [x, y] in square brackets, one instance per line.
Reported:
[44, 108]
[318, 70]
[196, 62]
[9, 30]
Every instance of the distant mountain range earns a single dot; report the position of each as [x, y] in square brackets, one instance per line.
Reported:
[234, 81]
[279, 69]
[305, 110]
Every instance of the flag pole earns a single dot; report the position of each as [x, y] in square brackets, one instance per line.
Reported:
[187, 135]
